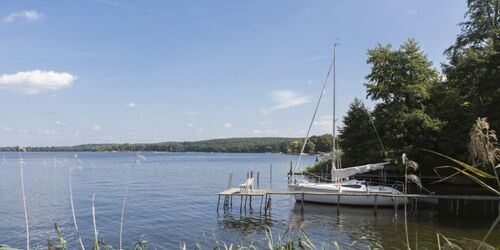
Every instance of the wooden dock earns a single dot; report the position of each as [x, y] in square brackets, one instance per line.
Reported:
[455, 201]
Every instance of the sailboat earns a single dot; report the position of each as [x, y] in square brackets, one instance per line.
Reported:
[363, 194]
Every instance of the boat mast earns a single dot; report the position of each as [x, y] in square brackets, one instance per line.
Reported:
[334, 153]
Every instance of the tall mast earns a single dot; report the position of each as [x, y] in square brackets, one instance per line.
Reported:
[334, 153]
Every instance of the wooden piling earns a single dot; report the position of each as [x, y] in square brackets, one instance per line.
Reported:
[338, 205]
[260, 209]
[218, 201]
[302, 205]
[376, 205]
[271, 175]
[250, 198]
[416, 207]
[258, 182]
[269, 204]
[241, 203]
[395, 209]
[265, 204]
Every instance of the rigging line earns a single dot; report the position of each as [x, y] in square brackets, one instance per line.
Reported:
[379, 140]
[312, 120]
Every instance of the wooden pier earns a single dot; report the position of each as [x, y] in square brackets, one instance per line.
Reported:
[453, 201]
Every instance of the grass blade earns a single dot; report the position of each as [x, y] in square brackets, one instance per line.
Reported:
[464, 165]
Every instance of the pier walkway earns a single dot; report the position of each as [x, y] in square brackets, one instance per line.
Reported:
[453, 203]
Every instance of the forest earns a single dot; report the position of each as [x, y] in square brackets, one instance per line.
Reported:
[231, 145]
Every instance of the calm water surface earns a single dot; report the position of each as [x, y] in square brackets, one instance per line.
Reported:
[172, 199]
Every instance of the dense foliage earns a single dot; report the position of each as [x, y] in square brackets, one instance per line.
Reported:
[417, 107]
[232, 145]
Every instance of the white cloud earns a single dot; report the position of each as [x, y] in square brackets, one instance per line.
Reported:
[227, 125]
[7, 128]
[132, 105]
[95, 127]
[257, 131]
[309, 82]
[190, 125]
[200, 130]
[286, 99]
[26, 15]
[192, 113]
[60, 123]
[36, 81]
[22, 130]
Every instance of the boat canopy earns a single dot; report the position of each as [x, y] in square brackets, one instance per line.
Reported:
[344, 173]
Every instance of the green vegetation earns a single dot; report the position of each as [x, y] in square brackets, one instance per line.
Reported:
[232, 145]
[419, 107]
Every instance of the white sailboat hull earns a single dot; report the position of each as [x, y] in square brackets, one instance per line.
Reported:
[362, 195]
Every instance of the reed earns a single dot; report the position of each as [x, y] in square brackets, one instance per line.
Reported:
[72, 204]
[21, 168]
[96, 242]
[138, 158]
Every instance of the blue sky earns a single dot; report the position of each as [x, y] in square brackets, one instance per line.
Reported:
[74, 72]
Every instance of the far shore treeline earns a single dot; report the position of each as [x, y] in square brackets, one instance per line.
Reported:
[315, 144]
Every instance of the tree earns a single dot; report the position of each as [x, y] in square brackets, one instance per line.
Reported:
[471, 88]
[474, 62]
[357, 138]
[402, 80]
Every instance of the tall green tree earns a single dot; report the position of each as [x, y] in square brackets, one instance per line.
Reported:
[358, 139]
[472, 84]
[474, 62]
[401, 81]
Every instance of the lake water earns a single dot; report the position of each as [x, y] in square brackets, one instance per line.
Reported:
[172, 199]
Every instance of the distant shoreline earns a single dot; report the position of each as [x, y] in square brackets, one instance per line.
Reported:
[285, 145]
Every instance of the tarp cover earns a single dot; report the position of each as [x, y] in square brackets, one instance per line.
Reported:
[344, 173]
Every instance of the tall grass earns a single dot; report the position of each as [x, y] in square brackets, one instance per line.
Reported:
[138, 158]
[21, 169]
[71, 201]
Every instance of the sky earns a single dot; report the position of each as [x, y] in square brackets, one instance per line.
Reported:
[109, 71]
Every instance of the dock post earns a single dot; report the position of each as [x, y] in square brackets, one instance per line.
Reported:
[241, 202]
[218, 201]
[246, 196]
[415, 212]
[260, 208]
[269, 204]
[302, 205]
[338, 205]
[271, 175]
[250, 204]
[376, 205]
[395, 209]
[258, 181]
[265, 205]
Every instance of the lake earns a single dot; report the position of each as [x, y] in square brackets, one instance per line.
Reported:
[172, 199]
